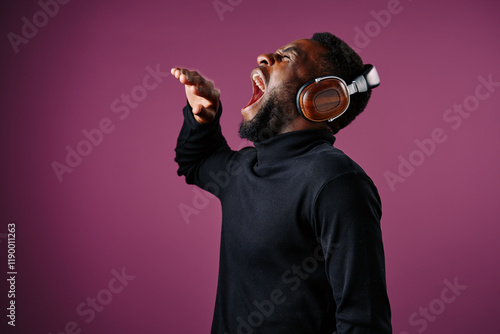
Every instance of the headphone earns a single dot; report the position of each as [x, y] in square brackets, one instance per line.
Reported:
[326, 98]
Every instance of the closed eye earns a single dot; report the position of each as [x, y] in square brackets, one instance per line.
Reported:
[285, 57]
[283, 53]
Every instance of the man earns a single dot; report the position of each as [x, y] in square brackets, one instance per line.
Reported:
[301, 246]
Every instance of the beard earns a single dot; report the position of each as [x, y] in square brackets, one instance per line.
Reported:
[276, 113]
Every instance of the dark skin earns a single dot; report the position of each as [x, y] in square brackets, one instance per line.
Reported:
[293, 63]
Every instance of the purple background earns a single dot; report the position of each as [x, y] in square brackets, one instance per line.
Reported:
[120, 207]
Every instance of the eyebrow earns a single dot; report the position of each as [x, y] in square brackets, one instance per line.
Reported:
[290, 48]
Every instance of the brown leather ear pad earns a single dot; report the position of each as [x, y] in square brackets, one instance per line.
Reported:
[323, 100]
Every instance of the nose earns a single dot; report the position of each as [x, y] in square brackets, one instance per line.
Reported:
[266, 59]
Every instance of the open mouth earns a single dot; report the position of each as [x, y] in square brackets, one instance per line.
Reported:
[259, 87]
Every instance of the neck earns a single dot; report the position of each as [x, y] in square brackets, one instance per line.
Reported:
[299, 123]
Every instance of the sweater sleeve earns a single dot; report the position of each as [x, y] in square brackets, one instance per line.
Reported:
[347, 221]
[202, 151]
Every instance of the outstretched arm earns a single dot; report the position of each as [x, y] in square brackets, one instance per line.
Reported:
[202, 150]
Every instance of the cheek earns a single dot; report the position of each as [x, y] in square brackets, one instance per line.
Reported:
[284, 84]
[286, 74]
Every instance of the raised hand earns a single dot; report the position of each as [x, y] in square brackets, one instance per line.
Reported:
[200, 92]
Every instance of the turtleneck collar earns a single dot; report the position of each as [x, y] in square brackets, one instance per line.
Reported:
[291, 144]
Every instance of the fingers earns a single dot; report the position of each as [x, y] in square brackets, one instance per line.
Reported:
[198, 85]
[205, 90]
[187, 77]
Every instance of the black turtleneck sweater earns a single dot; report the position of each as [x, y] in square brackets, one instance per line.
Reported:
[301, 246]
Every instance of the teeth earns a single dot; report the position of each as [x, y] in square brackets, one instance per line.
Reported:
[256, 79]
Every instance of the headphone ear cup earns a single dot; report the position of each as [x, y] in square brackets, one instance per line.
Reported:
[322, 100]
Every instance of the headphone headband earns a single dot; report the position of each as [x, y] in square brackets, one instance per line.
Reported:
[368, 80]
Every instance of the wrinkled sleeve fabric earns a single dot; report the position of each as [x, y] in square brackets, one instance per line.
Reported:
[201, 150]
[347, 221]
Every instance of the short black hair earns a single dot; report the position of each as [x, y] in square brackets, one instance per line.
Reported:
[342, 61]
